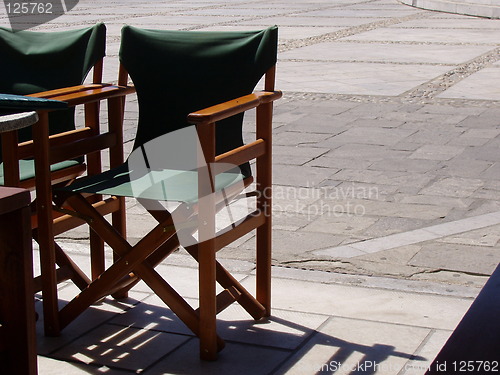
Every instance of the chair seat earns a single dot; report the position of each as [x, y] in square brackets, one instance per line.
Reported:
[158, 185]
[27, 168]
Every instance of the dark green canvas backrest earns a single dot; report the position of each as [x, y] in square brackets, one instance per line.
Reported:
[179, 72]
[31, 62]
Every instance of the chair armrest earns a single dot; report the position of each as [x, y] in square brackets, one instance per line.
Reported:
[49, 94]
[233, 107]
[86, 93]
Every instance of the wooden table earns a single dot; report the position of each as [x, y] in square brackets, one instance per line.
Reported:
[17, 121]
[17, 310]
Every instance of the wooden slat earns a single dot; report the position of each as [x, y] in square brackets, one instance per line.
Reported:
[228, 194]
[26, 150]
[251, 222]
[226, 298]
[240, 155]
[62, 274]
[246, 299]
[226, 280]
[66, 222]
[82, 147]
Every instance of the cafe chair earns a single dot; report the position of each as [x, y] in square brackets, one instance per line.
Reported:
[45, 71]
[193, 88]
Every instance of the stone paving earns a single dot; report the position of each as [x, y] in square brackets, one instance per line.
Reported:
[386, 169]
[388, 125]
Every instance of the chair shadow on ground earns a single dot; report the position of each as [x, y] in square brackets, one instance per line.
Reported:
[149, 338]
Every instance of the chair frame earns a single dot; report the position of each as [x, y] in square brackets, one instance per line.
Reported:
[138, 261]
[46, 150]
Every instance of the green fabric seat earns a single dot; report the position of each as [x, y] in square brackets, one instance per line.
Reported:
[34, 62]
[159, 185]
[27, 168]
[176, 73]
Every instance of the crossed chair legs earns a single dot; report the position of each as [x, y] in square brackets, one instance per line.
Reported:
[137, 262]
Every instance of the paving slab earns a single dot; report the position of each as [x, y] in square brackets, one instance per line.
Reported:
[387, 52]
[112, 346]
[447, 23]
[354, 78]
[368, 304]
[473, 259]
[344, 346]
[482, 82]
[445, 36]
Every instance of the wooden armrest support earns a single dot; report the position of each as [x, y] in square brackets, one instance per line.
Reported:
[71, 144]
[239, 155]
[86, 93]
[26, 149]
[82, 147]
[233, 107]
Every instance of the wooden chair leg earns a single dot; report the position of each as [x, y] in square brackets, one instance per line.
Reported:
[116, 109]
[45, 228]
[118, 218]
[208, 304]
[264, 267]
[227, 281]
[264, 205]
[94, 164]
[97, 259]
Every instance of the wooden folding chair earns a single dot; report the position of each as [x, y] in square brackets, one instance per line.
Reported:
[53, 65]
[202, 166]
